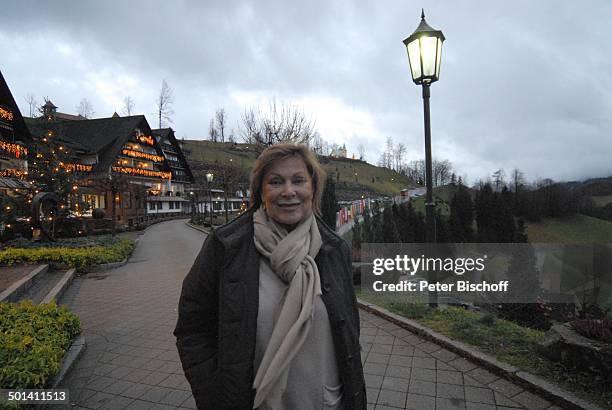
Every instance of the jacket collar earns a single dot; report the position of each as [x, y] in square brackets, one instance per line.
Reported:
[235, 232]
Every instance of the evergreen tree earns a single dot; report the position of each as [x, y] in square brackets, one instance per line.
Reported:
[521, 234]
[443, 232]
[406, 231]
[329, 204]
[523, 280]
[461, 215]
[389, 229]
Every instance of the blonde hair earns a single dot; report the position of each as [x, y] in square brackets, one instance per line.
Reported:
[278, 152]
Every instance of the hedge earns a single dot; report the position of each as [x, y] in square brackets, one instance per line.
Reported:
[72, 257]
[33, 340]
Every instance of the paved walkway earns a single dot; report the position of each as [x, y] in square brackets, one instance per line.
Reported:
[128, 315]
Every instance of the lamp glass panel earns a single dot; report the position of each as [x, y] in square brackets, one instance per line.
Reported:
[414, 57]
[428, 51]
[438, 58]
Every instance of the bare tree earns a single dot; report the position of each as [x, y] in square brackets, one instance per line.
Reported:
[279, 123]
[498, 179]
[518, 179]
[442, 171]
[220, 117]
[128, 106]
[164, 104]
[85, 109]
[361, 151]
[32, 103]
[212, 131]
[317, 144]
[231, 138]
[389, 152]
[400, 151]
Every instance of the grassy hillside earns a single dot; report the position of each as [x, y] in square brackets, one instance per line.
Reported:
[574, 229]
[354, 178]
[602, 200]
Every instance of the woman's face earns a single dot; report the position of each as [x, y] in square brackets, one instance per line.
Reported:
[287, 191]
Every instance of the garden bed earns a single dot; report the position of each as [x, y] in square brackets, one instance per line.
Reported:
[80, 253]
[503, 340]
[33, 341]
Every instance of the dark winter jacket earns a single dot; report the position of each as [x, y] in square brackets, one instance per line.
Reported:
[218, 317]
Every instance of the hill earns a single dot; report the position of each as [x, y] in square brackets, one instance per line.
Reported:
[354, 178]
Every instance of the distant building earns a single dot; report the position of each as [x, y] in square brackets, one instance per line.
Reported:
[339, 152]
[14, 137]
[124, 147]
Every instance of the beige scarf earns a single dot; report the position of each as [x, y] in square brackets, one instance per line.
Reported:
[291, 256]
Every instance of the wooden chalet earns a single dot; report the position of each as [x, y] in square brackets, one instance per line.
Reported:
[14, 137]
[118, 159]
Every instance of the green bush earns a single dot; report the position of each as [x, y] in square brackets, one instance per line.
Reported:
[73, 257]
[33, 340]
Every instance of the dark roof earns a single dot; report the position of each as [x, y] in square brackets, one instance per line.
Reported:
[20, 130]
[169, 134]
[64, 116]
[102, 136]
[49, 104]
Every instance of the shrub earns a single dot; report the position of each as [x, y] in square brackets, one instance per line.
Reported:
[72, 257]
[33, 340]
[594, 329]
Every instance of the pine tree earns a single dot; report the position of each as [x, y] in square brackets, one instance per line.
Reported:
[329, 204]
[389, 229]
[461, 215]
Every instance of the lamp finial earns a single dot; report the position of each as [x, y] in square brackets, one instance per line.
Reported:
[422, 14]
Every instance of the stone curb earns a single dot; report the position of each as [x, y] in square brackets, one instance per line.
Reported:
[197, 228]
[530, 382]
[103, 266]
[60, 287]
[70, 357]
[12, 293]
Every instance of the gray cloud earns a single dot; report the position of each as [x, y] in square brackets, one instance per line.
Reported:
[523, 84]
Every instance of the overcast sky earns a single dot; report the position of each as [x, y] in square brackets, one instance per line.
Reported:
[524, 84]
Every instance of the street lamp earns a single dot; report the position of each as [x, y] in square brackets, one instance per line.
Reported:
[424, 48]
[209, 179]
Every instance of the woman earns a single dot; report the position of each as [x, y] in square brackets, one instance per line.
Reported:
[267, 315]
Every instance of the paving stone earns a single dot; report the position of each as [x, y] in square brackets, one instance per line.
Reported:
[420, 353]
[462, 364]
[391, 398]
[383, 349]
[100, 383]
[444, 403]
[136, 390]
[136, 375]
[429, 347]
[402, 350]
[482, 375]
[444, 355]
[400, 360]
[117, 402]
[393, 383]
[374, 368]
[118, 387]
[373, 381]
[120, 372]
[98, 400]
[154, 378]
[372, 395]
[398, 371]
[449, 391]
[479, 395]
[479, 406]
[385, 340]
[422, 387]
[469, 381]
[531, 401]
[424, 362]
[502, 400]
[377, 358]
[423, 374]
[505, 387]
[176, 397]
[189, 403]
[104, 369]
[420, 402]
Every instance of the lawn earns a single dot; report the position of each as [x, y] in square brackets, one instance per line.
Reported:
[573, 229]
[602, 200]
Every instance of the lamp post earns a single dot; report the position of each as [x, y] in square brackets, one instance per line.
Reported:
[209, 179]
[424, 47]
